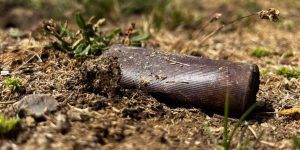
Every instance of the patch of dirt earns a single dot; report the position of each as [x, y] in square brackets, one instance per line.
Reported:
[101, 75]
[93, 108]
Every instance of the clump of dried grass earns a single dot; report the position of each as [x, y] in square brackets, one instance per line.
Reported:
[271, 14]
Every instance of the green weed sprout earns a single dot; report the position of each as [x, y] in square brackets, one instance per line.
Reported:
[8, 124]
[263, 71]
[227, 137]
[13, 83]
[90, 40]
[288, 72]
[296, 142]
[259, 52]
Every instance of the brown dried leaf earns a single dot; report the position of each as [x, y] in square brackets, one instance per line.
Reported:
[294, 112]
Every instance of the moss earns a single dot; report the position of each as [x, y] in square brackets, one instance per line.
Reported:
[288, 72]
[263, 71]
[8, 124]
[13, 83]
[260, 52]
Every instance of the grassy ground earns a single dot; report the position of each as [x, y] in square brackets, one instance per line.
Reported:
[135, 120]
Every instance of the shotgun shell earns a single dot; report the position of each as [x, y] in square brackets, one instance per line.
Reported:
[186, 80]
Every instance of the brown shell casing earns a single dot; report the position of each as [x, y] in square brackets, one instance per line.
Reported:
[187, 80]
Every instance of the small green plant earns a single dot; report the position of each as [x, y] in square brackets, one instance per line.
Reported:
[296, 142]
[288, 72]
[263, 71]
[260, 52]
[8, 124]
[16, 33]
[227, 137]
[90, 39]
[13, 83]
[269, 62]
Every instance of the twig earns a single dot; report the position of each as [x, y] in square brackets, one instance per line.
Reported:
[240, 18]
[268, 143]
[8, 102]
[258, 139]
[67, 99]
[211, 34]
[252, 131]
[221, 27]
[24, 63]
[214, 18]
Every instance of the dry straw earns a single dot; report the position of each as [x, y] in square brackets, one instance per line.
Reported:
[271, 14]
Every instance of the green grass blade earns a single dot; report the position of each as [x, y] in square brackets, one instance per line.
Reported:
[226, 114]
[241, 120]
[140, 37]
[80, 21]
[296, 142]
[86, 51]
[113, 33]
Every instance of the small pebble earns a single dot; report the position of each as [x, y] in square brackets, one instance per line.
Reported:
[30, 121]
[36, 105]
[4, 73]
[62, 123]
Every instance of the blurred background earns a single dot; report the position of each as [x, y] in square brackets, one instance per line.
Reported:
[151, 14]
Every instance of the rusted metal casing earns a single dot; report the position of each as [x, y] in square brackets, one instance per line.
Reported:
[187, 80]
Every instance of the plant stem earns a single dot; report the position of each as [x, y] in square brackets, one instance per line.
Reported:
[238, 19]
[205, 38]
[226, 113]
